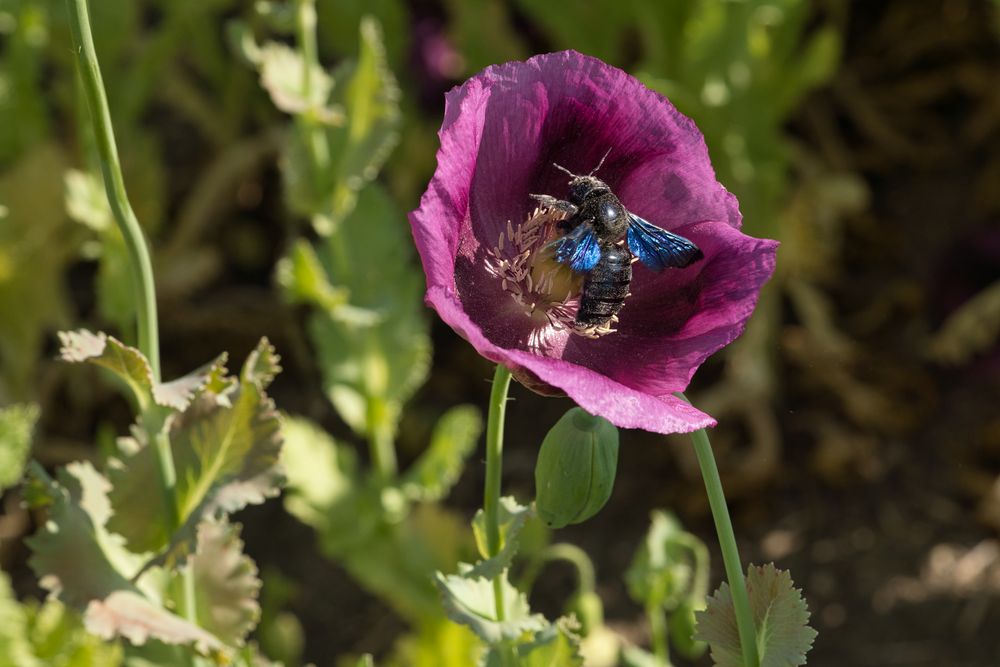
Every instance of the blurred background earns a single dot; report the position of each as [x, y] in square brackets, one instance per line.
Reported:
[859, 434]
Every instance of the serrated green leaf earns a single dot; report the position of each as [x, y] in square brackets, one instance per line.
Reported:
[370, 97]
[126, 362]
[177, 394]
[512, 516]
[226, 583]
[225, 448]
[72, 553]
[557, 645]
[131, 615]
[369, 372]
[320, 473]
[17, 422]
[262, 365]
[84, 565]
[439, 467]
[282, 74]
[304, 280]
[470, 601]
[780, 617]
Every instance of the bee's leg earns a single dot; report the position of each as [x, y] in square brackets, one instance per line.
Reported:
[561, 204]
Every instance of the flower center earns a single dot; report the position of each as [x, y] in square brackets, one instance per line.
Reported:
[547, 291]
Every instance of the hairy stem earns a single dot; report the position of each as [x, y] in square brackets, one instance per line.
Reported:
[494, 469]
[727, 543]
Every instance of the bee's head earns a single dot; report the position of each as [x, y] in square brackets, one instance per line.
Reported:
[581, 187]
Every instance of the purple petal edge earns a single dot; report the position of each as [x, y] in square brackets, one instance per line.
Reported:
[622, 406]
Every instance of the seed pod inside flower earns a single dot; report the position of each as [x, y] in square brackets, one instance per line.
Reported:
[575, 471]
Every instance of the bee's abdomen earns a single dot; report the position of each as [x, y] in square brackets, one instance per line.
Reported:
[605, 287]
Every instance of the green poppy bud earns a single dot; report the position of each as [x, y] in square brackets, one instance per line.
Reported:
[575, 471]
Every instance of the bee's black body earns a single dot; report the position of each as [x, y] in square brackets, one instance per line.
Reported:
[605, 287]
[593, 243]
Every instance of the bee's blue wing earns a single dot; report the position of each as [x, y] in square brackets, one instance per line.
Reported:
[579, 249]
[657, 248]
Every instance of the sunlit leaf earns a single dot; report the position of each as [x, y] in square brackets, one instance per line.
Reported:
[470, 601]
[439, 467]
[370, 371]
[17, 422]
[225, 448]
[282, 74]
[126, 362]
[177, 394]
[225, 583]
[369, 95]
[86, 200]
[438, 644]
[780, 617]
[130, 615]
[304, 280]
[512, 517]
[557, 645]
[15, 649]
[72, 553]
[320, 473]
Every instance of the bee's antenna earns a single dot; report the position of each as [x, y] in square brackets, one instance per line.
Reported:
[559, 166]
[600, 163]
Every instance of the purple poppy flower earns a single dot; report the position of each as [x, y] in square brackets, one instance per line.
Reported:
[486, 248]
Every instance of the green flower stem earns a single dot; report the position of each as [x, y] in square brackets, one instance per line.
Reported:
[142, 266]
[727, 543]
[658, 633]
[380, 441]
[494, 465]
[570, 553]
[305, 29]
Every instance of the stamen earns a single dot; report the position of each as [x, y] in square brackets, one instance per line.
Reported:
[528, 272]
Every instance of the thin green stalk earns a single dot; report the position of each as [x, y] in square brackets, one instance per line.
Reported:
[727, 543]
[494, 465]
[564, 551]
[114, 184]
[380, 441]
[305, 29]
[142, 266]
[658, 632]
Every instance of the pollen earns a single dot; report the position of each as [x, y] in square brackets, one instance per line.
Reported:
[547, 291]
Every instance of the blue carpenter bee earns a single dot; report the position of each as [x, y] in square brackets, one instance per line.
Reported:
[592, 244]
